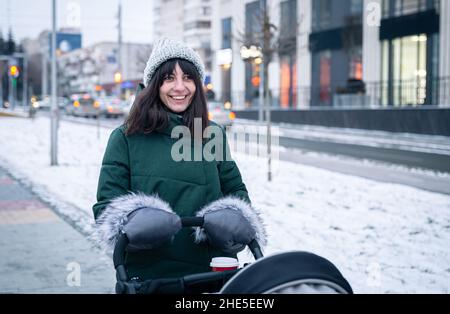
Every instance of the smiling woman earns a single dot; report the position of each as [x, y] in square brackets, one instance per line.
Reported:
[139, 159]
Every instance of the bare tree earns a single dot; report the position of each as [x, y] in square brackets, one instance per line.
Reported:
[270, 41]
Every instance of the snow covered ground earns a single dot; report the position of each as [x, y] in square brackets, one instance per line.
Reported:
[385, 238]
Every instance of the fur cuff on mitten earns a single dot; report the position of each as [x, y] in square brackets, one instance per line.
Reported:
[113, 218]
[234, 203]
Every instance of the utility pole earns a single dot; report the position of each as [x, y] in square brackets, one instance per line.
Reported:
[1, 85]
[266, 50]
[44, 86]
[119, 51]
[3, 69]
[11, 98]
[261, 70]
[25, 81]
[54, 106]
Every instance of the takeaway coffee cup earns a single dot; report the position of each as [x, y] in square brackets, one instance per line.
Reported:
[224, 263]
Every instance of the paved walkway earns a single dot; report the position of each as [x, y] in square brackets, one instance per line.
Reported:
[41, 253]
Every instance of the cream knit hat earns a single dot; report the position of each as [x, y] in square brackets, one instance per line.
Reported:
[166, 49]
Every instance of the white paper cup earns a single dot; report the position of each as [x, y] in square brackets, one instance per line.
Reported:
[223, 264]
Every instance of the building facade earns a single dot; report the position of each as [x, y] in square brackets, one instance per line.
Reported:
[186, 20]
[92, 69]
[340, 54]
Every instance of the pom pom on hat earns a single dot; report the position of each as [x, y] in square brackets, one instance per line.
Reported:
[166, 49]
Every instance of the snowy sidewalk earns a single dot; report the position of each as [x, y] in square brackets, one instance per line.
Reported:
[41, 253]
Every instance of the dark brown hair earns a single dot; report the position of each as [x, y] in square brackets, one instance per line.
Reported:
[149, 114]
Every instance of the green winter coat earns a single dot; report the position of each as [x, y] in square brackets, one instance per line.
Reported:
[143, 163]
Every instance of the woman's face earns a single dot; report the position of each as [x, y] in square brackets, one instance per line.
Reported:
[177, 90]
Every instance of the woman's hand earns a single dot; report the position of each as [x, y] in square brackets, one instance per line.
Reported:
[228, 230]
[230, 223]
[149, 228]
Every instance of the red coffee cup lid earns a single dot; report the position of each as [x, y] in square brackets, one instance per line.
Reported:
[224, 262]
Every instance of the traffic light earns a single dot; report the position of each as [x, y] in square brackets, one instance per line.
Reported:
[14, 71]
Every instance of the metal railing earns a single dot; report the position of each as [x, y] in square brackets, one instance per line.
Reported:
[383, 94]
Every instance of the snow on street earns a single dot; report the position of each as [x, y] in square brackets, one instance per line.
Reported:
[383, 237]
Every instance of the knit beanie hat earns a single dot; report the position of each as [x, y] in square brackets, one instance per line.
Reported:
[166, 49]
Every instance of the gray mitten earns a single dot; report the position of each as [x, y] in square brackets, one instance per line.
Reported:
[147, 220]
[228, 230]
[149, 228]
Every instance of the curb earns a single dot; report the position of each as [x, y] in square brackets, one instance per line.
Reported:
[13, 114]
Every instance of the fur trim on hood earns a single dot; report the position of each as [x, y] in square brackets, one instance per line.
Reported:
[235, 203]
[111, 221]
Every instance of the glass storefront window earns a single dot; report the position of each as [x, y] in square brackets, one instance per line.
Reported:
[287, 53]
[356, 71]
[409, 70]
[385, 73]
[325, 78]
[288, 82]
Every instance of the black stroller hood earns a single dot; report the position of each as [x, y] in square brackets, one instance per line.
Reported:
[285, 270]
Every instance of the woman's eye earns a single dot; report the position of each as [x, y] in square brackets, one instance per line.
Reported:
[187, 78]
[168, 78]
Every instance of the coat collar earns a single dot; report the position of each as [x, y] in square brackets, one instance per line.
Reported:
[174, 120]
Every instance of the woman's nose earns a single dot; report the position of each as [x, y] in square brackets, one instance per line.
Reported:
[179, 84]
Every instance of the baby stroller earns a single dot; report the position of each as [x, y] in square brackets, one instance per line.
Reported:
[290, 272]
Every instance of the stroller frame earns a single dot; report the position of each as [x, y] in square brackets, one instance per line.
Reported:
[210, 282]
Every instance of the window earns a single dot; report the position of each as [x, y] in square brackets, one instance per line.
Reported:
[253, 20]
[288, 27]
[206, 11]
[226, 33]
[356, 6]
[288, 82]
[197, 25]
[356, 71]
[287, 52]
[404, 7]
[325, 77]
[321, 14]
[407, 71]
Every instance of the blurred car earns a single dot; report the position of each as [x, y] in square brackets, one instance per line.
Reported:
[45, 103]
[219, 114]
[83, 105]
[111, 107]
[42, 103]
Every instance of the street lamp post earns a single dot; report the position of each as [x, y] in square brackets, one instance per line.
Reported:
[250, 54]
[54, 107]
[253, 53]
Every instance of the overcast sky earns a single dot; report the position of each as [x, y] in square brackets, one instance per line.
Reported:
[28, 18]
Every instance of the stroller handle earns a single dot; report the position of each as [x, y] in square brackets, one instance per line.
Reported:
[122, 242]
[192, 221]
[198, 222]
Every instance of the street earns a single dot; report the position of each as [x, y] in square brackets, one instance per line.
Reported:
[414, 162]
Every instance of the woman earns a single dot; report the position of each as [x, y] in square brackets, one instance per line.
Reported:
[145, 187]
